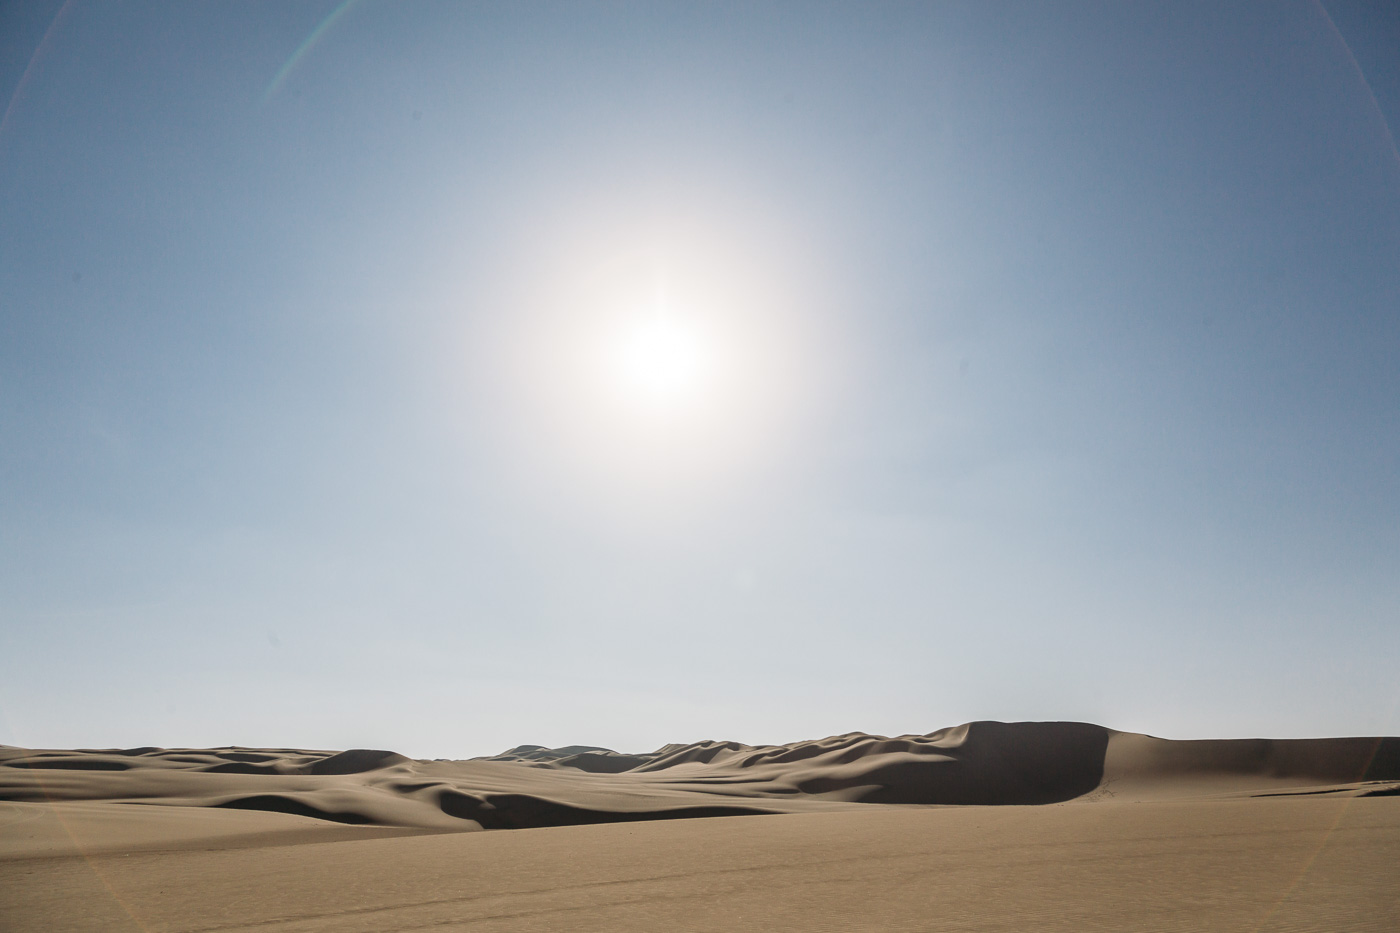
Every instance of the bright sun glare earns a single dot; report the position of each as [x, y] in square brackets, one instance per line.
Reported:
[661, 364]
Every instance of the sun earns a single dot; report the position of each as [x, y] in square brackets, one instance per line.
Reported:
[661, 364]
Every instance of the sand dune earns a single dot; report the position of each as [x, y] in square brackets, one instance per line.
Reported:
[927, 832]
[980, 763]
[1144, 767]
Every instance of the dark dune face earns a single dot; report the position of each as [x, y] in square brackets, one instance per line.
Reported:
[979, 763]
[524, 811]
[1384, 764]
[284, 803]
[984, 763]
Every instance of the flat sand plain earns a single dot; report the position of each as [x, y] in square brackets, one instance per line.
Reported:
[1245, 835]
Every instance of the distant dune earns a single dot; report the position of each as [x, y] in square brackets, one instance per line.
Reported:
[987, 826]
[980, 763]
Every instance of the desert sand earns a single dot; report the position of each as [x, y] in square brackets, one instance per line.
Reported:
[985, 826]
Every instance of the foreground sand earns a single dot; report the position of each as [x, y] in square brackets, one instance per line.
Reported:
[1266, 864]
[1238, 836]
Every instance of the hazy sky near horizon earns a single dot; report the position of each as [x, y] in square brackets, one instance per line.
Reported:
[1048, 368]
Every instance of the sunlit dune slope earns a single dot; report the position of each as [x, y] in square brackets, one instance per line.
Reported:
[986, 763]
[1144, 767]
[976, 763]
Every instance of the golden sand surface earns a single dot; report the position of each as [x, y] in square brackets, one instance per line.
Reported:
[1245, 835]
[1253, 864]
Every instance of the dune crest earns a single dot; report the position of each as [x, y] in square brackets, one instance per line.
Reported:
[978, 763]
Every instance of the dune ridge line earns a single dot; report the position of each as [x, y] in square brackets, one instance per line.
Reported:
[979, 763]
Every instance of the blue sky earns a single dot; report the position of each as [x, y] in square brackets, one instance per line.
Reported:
[1057, 371]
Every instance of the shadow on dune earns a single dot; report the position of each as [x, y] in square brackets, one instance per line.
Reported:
[1385, 761]
[278, 803]
[985, 763]
[522, 811]
[1382, 792]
